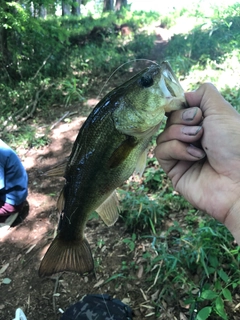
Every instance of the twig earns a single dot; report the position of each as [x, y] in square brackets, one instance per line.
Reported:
[155, 280]
[33, 108]
[54, 293]
[63, 117]
[43, 64]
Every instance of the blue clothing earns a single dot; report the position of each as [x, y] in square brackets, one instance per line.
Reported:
[13, 177]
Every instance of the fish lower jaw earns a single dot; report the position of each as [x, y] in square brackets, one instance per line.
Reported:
[175, 104]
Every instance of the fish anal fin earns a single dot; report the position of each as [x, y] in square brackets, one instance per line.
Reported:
[58, 170]
[62, 255]
[109, 210]
[122, 152]
[141, 164]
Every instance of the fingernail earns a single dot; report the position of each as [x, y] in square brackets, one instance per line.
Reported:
[195, 152]
[191, 131]
[189, 114]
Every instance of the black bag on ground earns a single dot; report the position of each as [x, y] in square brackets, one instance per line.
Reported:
[98, 307]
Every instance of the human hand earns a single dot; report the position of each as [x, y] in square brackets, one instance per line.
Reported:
[200, 152]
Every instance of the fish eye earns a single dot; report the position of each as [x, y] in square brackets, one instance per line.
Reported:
[145, 81]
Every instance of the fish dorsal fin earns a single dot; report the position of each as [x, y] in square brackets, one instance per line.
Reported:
[141, 164]
[109, 210]
[58, 170]
[61, 202]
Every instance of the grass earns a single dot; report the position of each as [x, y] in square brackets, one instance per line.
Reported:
[196, 258]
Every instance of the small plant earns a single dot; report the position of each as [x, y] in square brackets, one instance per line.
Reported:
[130, 242]
[100, 243]
[71, 91]
[198, 265]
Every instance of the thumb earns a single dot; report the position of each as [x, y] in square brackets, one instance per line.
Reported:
[210, 101]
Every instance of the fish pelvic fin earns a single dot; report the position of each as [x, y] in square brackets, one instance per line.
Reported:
[62, 255]
[109, 209]
[141, 164]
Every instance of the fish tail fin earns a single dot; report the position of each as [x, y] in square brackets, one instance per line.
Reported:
[62, 255]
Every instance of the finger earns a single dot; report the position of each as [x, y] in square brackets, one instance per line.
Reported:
[174, 150]
[208, 98]
[189, 134]
[190, 116]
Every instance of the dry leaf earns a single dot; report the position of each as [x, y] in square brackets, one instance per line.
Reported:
[4, 268]
[98, 284]
[182, 316]
[140, 272]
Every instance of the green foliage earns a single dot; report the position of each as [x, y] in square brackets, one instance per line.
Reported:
[145, 204]
[130, 242]
[60, 57]
[199, 265]
[232, 95]
[27, 136]
[141, 45]
[211, 41]
[56, 60]
[72, 91]
[140, 18]
[13, 16]
[193, 259]
[204, 313]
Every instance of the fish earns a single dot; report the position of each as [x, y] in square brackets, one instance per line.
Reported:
[111, 144]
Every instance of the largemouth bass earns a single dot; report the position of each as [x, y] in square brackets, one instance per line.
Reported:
[110, 145]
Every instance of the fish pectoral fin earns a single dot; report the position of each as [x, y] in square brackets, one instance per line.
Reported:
[141, 164]
[58, 170]
[122, 152]
[109, 209]
[62, 255]
[61, 201]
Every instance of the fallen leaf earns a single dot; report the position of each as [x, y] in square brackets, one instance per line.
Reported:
[6, 281]
[140, 272]
[56, 294]
[182, 316]
[4, 268]
[126, 301]
[98, 284]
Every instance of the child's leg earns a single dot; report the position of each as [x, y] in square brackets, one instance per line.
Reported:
[7, 209]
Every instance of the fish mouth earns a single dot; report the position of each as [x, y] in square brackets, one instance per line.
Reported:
[169, 84]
